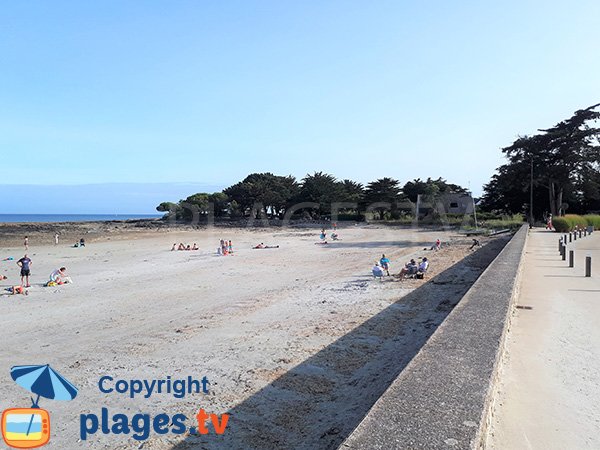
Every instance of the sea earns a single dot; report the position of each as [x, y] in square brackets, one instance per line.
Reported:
[41, 218]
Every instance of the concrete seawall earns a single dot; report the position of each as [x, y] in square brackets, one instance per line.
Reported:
[442, 398]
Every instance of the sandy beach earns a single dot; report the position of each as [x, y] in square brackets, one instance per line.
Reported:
[297, 342]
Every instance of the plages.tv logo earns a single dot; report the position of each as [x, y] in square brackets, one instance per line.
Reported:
[30, 427]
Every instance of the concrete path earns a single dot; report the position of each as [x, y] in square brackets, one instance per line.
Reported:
[548, 396]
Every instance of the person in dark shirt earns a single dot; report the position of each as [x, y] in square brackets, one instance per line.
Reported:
[25, 264]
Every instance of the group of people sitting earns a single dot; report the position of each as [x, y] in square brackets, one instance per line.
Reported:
[182, 246]
[81, 243]
[411, 269]
[225, 248]
[323, 236]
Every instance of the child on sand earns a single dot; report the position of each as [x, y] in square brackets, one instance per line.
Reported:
[17, 290]
[385, 264]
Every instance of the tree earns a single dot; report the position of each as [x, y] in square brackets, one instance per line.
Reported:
[430, 189]
[382, 195]
[353, 192]
[220, 202]
[564, 157]
[323, 189]
[170, 208]
[264, 193]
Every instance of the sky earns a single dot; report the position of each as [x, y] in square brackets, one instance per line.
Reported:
[201, 93]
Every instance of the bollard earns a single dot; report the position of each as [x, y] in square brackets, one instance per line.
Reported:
[580, 234]
[559, 245]
[585, 232]
[570, 237]
[571, 259]
[588, 266]
[565, 239]
[562, 249]
[564, 253]
[575, 236]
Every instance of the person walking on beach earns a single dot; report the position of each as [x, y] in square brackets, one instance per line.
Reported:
[25, 264]
[55, 238]
[26, 243]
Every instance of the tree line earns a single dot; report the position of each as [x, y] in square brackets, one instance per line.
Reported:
[562, 163]
[316, 196]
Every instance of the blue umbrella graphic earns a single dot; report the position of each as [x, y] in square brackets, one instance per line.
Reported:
[43, 381]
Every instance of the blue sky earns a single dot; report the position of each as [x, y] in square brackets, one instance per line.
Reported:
[207, 92]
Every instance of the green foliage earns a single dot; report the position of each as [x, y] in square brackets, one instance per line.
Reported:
[168, 207]
[323, 189]
[263, 193]
[566, 174]
[568, 223]
[430, 189]
[382, 196]
[593, 220]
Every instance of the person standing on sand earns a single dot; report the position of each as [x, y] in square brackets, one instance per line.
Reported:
[26, 243]
[25, 264]
[385, 264]
[55, 238]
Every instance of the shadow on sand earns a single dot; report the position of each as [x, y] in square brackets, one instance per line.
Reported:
[319, 402]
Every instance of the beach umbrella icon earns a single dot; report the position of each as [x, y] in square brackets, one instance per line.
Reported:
[43, 381]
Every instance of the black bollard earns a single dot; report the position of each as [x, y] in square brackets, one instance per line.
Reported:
[570, 237]
[575, 236]
[580, 234]
[571, 259]
[588, 266]
[564, 253]
[559, 245]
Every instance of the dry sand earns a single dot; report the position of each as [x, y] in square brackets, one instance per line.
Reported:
[297, 342]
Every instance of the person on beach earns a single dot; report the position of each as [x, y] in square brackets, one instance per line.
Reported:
[3, 277]
[437, 245]
[261, 245]
[181, 246]
[59, 276]
[549, 223]
[476, 243]
[377, 271]
[26, 243]
[82, 242]
[13, 290]
[174, 247]
[385, 264]
[56, 238]
[411, 268]
[423, 266]
[195, 247]
[25, 264]
[230, 247]
[335, 236]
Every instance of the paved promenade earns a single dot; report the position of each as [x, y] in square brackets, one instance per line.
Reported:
[548, 395]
